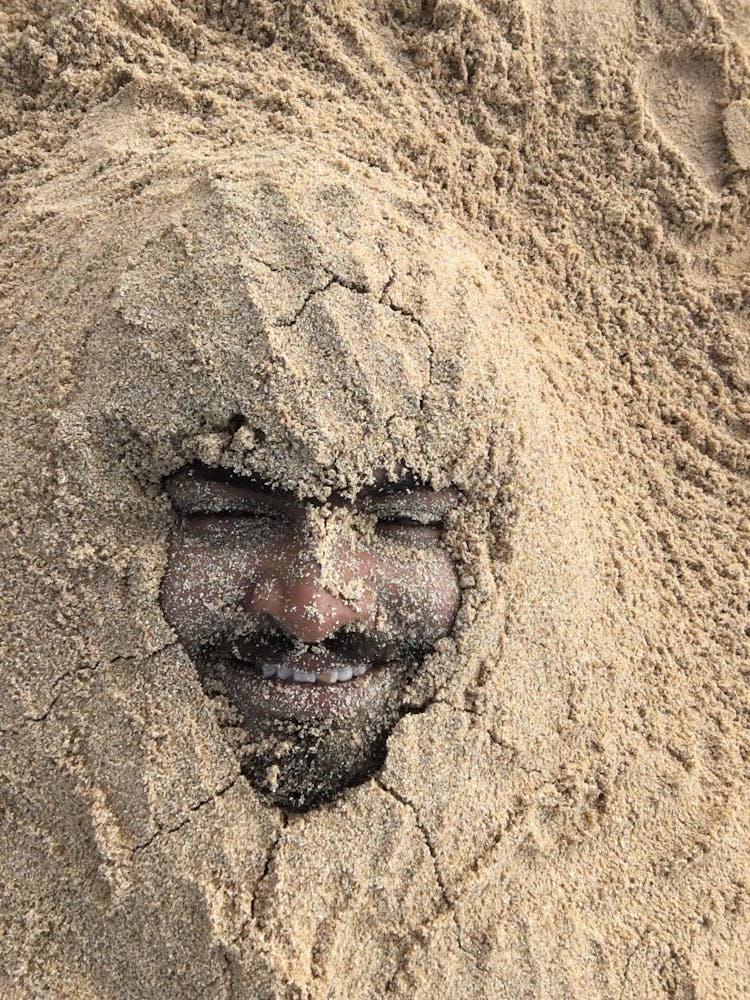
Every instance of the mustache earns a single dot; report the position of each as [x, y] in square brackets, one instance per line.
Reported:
[346, 645]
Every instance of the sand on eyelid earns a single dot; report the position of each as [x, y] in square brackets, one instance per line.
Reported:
[503, 245]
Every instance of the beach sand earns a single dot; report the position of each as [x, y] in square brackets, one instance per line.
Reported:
[504, 244]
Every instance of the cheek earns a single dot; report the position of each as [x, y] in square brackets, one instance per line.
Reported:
[418, 587]
[204, 582]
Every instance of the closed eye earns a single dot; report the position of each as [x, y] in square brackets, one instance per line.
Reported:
[248, 510]
[405, 521]
[412, 508]
[195, 493]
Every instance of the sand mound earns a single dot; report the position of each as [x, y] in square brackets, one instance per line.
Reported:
[503, 244]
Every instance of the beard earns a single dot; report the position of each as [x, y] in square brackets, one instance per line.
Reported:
[301, 744]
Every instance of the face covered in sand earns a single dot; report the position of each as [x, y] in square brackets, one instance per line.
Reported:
[311, 617]
[296, 366]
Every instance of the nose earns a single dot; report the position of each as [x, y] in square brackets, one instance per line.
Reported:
[288, 588]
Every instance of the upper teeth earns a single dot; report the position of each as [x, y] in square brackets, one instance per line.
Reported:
[327, 676]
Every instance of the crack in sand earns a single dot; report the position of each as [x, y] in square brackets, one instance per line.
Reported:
[496, 740]
[191, 811]
[273, 847]
[385, 300]
[428, 843]
[445, 905]
[358, 288]
[89, 668]
[333, 279]
[308, 298]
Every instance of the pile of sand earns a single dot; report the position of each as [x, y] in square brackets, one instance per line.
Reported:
[506, 243]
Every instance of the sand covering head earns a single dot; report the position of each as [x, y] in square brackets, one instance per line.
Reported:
[314, 328]
[311, 325]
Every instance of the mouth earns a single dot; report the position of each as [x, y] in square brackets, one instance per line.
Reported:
[270, 679]
[314, 666]
[315, 717]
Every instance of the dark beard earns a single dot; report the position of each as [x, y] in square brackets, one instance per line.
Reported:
[298, 764]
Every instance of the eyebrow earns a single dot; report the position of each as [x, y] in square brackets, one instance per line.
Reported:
[216, 474]
[409, 481]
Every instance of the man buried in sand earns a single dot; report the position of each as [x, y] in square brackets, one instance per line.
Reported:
[373, 466]
[314, 561]
[295, 437]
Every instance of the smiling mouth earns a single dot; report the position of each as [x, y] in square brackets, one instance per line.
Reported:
[339, 659]
[270, 677]
[315, 716]
[316, 666]
[300, 675]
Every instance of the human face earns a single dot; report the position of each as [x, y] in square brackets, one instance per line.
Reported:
[312, 618]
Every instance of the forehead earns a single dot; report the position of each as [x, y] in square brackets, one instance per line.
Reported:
[342, 323]
[217, 480]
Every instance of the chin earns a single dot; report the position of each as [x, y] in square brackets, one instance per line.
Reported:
[300, 745]
[298, 765]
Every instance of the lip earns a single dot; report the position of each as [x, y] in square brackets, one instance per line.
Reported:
[261, 698]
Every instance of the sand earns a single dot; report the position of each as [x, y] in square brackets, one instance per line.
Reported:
[506, 243]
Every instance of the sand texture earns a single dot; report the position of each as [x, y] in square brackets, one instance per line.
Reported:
[504, 242]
